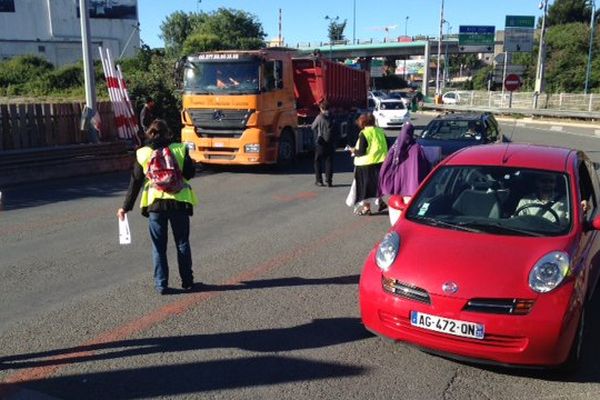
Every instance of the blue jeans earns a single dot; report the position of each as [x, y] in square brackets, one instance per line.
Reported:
[158, 226]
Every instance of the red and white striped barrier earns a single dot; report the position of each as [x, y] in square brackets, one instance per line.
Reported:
[125, 119]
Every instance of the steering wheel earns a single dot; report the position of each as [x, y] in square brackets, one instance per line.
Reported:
[544, 207]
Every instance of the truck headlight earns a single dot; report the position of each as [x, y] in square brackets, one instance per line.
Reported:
[252, 148]
[191, 146]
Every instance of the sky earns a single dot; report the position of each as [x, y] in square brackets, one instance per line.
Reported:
[303, 21]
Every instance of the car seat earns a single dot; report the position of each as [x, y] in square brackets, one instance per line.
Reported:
[477, 203]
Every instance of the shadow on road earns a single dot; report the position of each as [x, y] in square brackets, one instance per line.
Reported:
[194, 377]
[190, 378]
[588, 369]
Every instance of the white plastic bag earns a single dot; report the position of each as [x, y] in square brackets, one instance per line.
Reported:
[351, 199]
[124, 233]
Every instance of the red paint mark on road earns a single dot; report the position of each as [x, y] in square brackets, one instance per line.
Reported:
[10, 384]
[294, 197]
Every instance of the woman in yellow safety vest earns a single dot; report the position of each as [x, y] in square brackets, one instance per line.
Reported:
[369, 153]
[161, 171]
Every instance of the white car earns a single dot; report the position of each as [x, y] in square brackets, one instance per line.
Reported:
[451, 98]
[390, 113]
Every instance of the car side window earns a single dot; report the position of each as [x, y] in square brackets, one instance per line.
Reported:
[586, 189]
[273, 75]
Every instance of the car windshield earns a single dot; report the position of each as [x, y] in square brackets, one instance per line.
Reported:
[225, 77]
[391, 105]
[454, 129]
[497, 200]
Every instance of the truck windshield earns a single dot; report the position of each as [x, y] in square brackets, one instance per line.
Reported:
[203, 77]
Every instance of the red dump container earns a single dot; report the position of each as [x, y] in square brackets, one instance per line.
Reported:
[318, 79]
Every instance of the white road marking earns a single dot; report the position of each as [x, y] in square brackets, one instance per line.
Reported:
[556, 128]
[597, 132]
[521, 124]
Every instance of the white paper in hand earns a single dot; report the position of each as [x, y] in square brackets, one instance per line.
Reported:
[124, 234]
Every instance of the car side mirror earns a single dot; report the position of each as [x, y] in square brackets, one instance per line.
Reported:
[397, 202]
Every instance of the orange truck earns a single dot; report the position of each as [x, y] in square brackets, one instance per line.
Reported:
[255, 107]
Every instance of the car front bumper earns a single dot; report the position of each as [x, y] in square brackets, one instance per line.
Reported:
[541, 338]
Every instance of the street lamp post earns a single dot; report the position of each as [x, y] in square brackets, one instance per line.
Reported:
[405, 35]
[439, 52]
[446, 72]
[539, 76]
[354, 23]
[588, 70]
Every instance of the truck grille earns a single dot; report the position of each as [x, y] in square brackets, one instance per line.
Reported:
[405, 290]
[219, 123]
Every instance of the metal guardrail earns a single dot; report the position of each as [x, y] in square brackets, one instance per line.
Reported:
[519, 111]
[35, 164]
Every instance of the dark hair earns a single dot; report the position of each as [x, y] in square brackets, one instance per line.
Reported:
[324, 105]
[149, 99]
[158, 129]
[365, 119]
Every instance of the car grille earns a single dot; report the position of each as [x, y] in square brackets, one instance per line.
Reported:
[219, 123]
[405, 290]
[500, 306]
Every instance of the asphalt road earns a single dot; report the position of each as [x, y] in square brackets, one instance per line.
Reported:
[277, 314]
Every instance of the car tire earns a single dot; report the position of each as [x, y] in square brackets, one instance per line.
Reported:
[572, 362]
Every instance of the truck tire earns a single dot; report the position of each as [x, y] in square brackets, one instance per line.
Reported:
[286, 150]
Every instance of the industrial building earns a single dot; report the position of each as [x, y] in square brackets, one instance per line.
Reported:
[52, 28]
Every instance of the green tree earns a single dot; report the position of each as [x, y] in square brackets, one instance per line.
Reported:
[336, 30]
[568, 11]
[234, 29]
[177, 28]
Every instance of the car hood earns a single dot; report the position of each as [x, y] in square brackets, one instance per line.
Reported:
[449, 146]
[481, 264]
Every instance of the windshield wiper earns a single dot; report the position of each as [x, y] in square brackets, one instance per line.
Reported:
[498, 228]
[436, 222]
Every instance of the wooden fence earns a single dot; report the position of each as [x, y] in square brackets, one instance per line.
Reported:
[32, 125]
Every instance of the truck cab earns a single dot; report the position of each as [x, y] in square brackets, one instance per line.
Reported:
[239, 107]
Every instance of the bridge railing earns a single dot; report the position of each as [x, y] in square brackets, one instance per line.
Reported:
[524, 100]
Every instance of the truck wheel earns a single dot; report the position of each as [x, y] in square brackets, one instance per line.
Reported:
[286, 149]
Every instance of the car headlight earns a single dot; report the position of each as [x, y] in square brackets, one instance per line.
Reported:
[549, 271]
[387, 250]
[252, 148]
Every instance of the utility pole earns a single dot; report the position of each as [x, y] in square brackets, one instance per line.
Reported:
[279, 38]
[90, 85]
[439, 52]
[354, 23]
[539, 76]
[588, 70]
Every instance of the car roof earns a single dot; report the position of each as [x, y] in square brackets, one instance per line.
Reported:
[392, 100]
[461, 116]
[514, 155]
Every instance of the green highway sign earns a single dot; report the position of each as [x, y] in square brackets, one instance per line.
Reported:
[520, 21]
[476, 38]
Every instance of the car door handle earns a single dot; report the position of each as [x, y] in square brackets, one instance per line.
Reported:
[279, 104]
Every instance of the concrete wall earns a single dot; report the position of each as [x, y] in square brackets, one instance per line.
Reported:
[51, 29]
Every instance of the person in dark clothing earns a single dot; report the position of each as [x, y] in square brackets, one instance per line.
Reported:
[163, 208]
[147, 115]
[324, 128]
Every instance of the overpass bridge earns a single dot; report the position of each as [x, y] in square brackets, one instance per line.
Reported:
[397, 50]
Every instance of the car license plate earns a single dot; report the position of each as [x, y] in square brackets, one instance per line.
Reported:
[446, 325]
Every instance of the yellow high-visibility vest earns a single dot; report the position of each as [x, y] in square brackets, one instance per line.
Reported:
[149, 193]
[377, 147]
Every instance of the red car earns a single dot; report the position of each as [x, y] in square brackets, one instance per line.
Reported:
[494, 259]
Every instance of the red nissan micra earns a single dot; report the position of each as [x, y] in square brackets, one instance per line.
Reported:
[494, 259]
